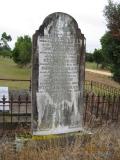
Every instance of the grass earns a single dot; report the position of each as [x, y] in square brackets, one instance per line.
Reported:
[103, 144]
[9, 70]
[91, 65]
[101, 79]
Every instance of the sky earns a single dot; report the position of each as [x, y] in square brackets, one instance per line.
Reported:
[23, 17]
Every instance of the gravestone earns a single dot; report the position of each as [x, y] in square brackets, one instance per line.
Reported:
[58, 76]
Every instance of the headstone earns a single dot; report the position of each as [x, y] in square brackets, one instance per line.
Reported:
[57, 76]
[4, 93]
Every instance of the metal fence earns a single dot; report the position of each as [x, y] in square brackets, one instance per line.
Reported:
[102, 105]
[15, 113]
[100, 109]
[101, 88]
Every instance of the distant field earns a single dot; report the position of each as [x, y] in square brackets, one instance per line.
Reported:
[91, 65]
[9, 70]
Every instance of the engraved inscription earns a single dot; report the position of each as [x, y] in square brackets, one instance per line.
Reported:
[59, 60]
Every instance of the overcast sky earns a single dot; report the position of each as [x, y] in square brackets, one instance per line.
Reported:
[20, 17]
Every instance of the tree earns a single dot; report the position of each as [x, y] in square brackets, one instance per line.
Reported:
[22, 51]
[111, 40]
[5, 39]
[98, 56]
[5, 49]
[112, 15]
[111, 52]
[89, 57]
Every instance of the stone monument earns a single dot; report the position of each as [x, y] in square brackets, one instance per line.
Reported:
[58, 76]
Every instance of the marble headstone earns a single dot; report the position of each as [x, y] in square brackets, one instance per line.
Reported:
[57, 76]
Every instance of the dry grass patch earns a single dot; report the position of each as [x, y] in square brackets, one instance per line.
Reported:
[104, 144]
[101, 78]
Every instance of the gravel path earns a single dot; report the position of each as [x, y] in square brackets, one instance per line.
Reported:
[99, 72]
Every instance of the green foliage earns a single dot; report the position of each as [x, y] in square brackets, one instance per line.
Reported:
[91, 65]
[111, 51]
[112, 15]
[111, 40]
[116, 72]
[6, 53]
[98, 56]
[110, 48]
[22, 51]
[5, 49]
[89, 57]
[5, 39]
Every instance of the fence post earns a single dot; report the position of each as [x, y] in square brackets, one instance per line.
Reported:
[19, 103]
[86, 102]
[109, 97]
[92, 102]
[26, 105]
[98, 103]
[103, 107]
[11, 108]
[30, 86]
[113, 106]
[91, 85]
[118, 111]
[3, 99]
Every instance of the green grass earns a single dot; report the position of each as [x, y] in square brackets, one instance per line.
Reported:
[91, 65]
[9, 70]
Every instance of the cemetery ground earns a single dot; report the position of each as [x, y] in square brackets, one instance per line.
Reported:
[104, 144]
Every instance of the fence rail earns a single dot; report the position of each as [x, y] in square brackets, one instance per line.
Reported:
[90, 86]
[102, 105]
[101, 88]
[100, 109]
[20, 83]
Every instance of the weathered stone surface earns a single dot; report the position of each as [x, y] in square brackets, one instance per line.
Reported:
[57, 76]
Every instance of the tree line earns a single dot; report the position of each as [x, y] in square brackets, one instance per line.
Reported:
[109, 53]
[21, 53]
